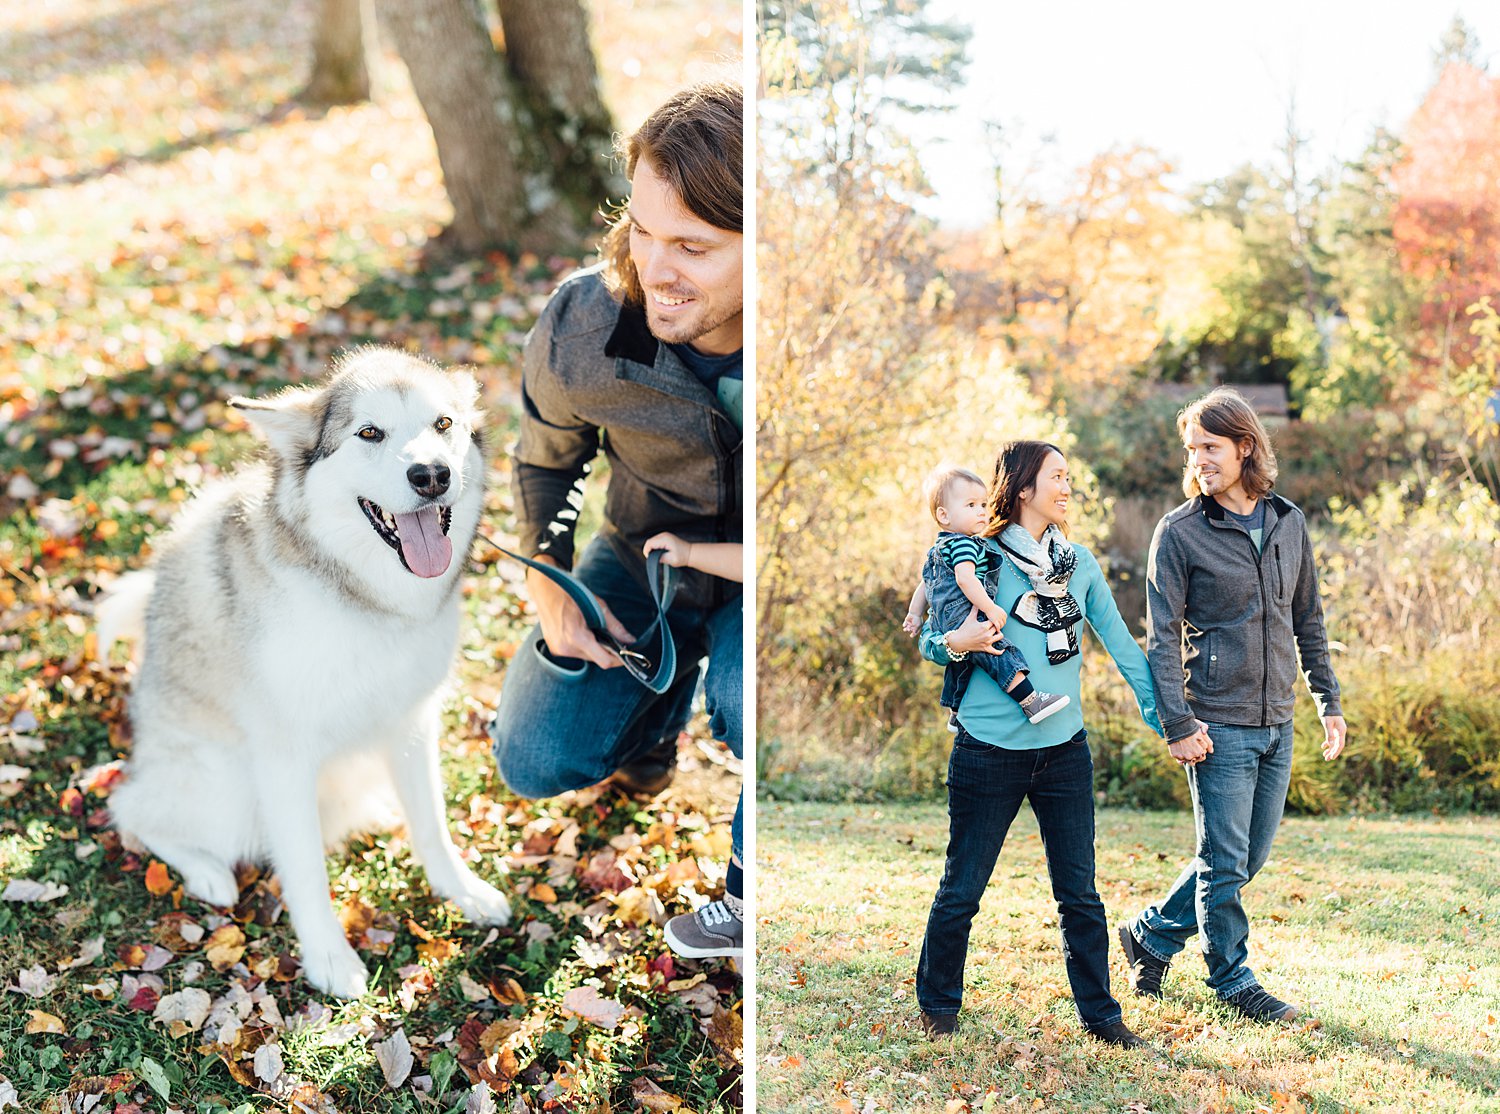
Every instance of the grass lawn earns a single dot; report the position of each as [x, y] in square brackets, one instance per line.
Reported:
[173, 230]
[1388, 930]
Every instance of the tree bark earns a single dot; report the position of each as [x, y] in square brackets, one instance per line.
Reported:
[551, 57]
[345, 54]
[497, 177]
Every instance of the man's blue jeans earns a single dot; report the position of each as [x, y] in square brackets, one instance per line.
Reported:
[1239, 793]
[559, 728]
[986, 785]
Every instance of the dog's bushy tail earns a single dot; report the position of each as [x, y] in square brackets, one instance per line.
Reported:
[122, 613]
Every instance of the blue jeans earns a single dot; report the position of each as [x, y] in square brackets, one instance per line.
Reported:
[1239, 792]
[986, 785]
[565, 723]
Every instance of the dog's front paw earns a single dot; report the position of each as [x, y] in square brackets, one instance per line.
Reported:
[336, 969]
[482, 903]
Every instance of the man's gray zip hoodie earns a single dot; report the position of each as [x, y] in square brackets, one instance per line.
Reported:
[1226, 625]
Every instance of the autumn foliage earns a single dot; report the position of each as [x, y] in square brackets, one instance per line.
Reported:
[1447, 218]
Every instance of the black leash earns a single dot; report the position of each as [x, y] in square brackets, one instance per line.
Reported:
[634, 656]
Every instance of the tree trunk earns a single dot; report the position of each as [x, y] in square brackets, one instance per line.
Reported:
[551, 57]
[498, 178]
[345, 54]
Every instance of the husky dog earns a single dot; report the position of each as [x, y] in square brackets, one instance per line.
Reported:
[300, 621]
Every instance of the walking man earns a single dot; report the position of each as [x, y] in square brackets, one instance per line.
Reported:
[640, 357]
[1232, 602]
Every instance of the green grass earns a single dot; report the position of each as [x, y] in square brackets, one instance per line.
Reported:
[173, 233]
[1385, 928]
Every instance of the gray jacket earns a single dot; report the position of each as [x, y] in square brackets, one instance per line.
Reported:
[1226, 625]
[594, 377]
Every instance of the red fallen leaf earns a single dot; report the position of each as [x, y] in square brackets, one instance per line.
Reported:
[71, 802]
[98, 818]
[470, 1035]
[102, 1084]
[145, 1000]
[158, 879]
[664, 966]
[105, 780]
[602, 873]
[131, 955]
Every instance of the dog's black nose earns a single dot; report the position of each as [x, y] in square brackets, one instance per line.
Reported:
[428, 479]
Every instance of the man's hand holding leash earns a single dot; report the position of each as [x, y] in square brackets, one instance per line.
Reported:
[563, 627]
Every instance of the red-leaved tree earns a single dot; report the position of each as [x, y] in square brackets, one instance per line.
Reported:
[1447, 219]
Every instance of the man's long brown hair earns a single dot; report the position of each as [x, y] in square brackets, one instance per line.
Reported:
[694, 144]
[1225, 413]
[1017, 465]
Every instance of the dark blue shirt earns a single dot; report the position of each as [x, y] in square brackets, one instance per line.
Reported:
[724, 376]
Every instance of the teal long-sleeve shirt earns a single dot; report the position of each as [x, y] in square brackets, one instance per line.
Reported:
[991, 716]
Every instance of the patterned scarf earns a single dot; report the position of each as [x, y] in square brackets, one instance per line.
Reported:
[1048, 607]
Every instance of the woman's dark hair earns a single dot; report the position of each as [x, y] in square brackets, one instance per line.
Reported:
[693, 143]
[1017, 465]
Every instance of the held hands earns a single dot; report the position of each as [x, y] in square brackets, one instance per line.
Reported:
[563, 628]
[1194, 748]
[1334, 734]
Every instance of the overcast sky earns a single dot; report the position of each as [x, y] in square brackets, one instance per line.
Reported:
[1207, 84]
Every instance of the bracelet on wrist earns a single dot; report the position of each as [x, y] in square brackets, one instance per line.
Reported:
[953, 655]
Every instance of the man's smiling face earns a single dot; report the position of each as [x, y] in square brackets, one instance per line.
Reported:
[692, 272]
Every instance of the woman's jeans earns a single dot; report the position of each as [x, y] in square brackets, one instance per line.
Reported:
[561, 727]
[1239, 792]
[986, 785]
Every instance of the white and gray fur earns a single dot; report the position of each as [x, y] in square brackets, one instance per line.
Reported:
[293, 665]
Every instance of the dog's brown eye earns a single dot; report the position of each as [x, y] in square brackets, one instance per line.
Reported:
[370, 433]
[442, 425]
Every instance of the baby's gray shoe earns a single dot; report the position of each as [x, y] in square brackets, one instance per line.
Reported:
[1039, 705]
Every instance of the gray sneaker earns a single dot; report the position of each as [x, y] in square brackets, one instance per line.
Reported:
[1039, 705]
[716, 929]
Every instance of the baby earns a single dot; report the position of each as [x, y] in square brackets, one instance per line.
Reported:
[953, 582]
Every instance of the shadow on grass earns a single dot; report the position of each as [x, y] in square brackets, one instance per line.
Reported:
[1473, 1073]
[164, 151]
[122, 418]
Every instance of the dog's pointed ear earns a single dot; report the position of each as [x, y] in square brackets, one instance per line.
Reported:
[289, 421]
[467, 389]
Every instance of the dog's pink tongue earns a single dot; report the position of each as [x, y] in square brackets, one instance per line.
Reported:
[424, 545]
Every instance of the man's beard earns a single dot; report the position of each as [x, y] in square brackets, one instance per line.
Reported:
[689, 330]
[1215, 484]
